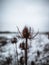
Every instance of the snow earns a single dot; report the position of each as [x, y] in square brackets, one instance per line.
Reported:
[36, 45]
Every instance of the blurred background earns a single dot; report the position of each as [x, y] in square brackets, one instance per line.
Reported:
[34, 13]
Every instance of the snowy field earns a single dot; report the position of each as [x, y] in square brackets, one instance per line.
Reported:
[40, 43]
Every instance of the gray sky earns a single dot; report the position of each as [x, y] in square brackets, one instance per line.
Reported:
[34, 13]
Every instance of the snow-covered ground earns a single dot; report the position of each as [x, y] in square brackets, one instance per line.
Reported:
[37, 44]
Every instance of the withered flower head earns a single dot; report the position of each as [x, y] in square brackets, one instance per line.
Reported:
[26, 32]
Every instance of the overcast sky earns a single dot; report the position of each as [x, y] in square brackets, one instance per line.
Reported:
[34, 13]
